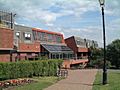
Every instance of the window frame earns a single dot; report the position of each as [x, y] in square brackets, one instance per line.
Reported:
[18, 36]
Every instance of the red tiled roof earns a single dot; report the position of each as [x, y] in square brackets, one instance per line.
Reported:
[50, 32]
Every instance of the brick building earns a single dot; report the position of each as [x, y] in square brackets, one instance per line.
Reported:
[32, 42]
[81, 48]
[78, 45]
[6, 36]
[24, 43]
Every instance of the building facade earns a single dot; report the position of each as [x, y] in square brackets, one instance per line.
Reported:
[82, 50]
[78, 45]
[52, 44]
[26, 43]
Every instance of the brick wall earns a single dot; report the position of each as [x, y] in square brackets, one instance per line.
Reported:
[4, 57]
[6, 38]
[71, 44]
[26, 47]
[67, 63]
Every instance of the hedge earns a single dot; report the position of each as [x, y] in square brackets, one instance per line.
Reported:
[13, 70]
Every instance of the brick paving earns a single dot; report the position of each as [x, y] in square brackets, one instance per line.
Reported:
[76, 80]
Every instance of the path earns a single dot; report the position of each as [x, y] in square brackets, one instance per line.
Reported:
[77, 80]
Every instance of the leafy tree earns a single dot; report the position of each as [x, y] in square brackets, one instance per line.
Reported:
[113, 53]
[96, 58]
[96, 53]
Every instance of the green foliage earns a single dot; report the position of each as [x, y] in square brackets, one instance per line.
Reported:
[4, 71]
[113, 53]
[28, 69]
[96, 53]
[43, 58]
[96, 59]
[51, 68]
[98, 63]
[14, 70]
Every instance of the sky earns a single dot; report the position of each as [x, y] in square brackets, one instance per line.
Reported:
[80, 18]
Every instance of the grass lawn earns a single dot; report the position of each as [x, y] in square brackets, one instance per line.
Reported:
[113, 81]
[42, 82]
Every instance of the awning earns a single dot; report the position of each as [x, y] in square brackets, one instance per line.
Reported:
[57, 48]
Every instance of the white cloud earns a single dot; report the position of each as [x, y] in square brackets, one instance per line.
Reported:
[37, 9]
[112, 7]
[77, 7]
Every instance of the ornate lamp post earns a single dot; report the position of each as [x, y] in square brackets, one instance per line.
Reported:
[102, 5]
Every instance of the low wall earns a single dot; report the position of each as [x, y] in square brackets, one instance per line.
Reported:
[67, 63]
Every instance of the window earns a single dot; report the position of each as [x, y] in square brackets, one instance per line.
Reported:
[81, 43]
[50, 37]
[59, 39]
[54, 38]
[27, 36]
[17, 34]
[39, 35]
[78, 42]
[34, 35]
[43, 37]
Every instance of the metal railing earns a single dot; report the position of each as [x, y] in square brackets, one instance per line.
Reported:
[6, 20]
[62, 73]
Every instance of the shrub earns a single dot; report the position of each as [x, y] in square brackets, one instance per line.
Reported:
[14, 70]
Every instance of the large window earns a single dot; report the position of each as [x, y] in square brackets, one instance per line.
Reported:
[81, 43]
[58, 39]
[43, 36]
[54, 38]
[50, 37]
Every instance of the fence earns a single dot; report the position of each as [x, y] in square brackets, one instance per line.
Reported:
[62, 73]
[6, 20]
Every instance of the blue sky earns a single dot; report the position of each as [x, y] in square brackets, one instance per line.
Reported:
[71, 17]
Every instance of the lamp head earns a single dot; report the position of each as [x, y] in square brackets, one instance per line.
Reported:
[102, 3]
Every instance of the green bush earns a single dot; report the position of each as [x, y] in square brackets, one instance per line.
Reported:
[98, 63]
[4, 71]
[14, 70]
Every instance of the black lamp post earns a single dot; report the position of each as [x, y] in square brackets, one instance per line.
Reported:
[102, 5]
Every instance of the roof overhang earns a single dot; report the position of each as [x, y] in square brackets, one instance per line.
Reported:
[57, 48]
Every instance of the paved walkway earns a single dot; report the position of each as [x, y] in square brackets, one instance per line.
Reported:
[76, 80]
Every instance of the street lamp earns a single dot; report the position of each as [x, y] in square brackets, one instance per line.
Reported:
[102, 5]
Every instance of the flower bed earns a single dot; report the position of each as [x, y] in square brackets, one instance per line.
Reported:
[15, 82]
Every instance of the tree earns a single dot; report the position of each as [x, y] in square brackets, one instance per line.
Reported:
[96, 58]
[113, 53]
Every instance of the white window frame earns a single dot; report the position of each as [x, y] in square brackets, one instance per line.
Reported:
[27, 36]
